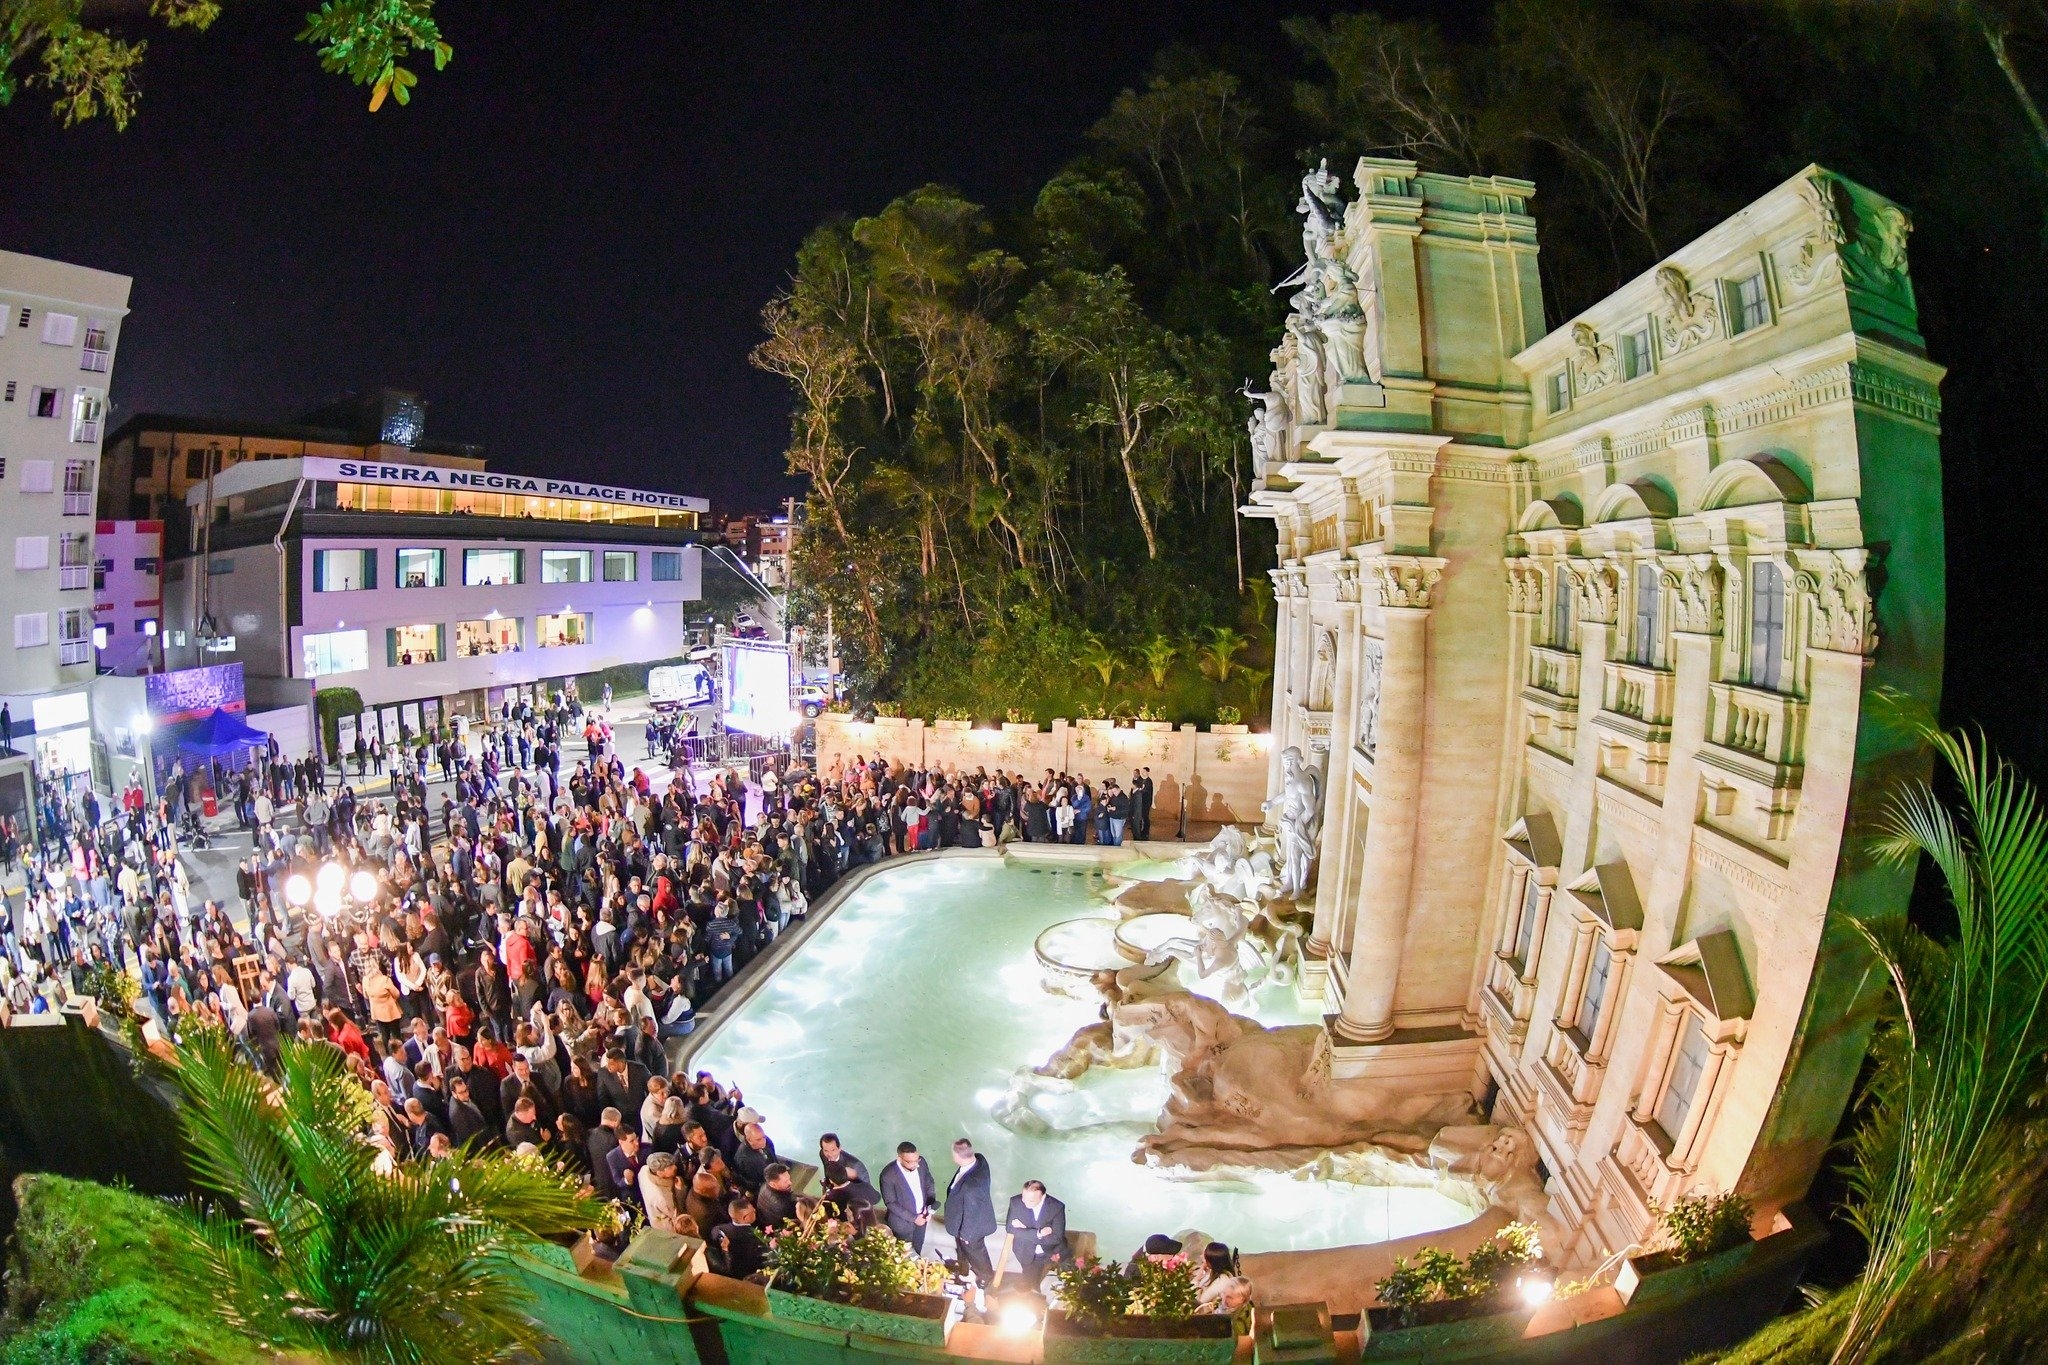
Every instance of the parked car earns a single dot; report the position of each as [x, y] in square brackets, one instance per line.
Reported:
[809, 699]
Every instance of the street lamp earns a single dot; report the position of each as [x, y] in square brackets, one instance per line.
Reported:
[330, 888]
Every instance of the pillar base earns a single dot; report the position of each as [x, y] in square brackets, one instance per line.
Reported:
[1313, 982]
[1416, 1061]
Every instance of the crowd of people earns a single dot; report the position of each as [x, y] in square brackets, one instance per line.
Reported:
[509, 963]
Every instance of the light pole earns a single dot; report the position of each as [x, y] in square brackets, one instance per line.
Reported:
[330, 888]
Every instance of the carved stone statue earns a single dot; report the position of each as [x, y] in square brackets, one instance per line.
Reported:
[1594, 364]
[1322, 669]
[1235, 1087]
[1268, 425]
[1309, 376]
[1212, 954]
[1689, 317]
[1369, 677]
[1297, 814]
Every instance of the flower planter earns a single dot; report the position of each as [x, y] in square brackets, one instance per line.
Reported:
[1461, 1325]
[953, 724]
[1230, 729]
[1093, 724]
[896, 722]
[1156, 726]
[1208, 1340]
[1020, 727]
[916, 1318]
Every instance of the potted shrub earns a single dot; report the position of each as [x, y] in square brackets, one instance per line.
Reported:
[1697, 1229]
[823, 1273]
[1137, 1317]
[1228, 722]
[1436, 1286]
[954, 718]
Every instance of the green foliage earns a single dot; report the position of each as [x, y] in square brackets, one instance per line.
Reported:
[1093, 1291]
[1228, 715]
[302, 1242]
[826, 1258]
[1702, 1225]
[330, 704]
[91, 68]
[1434, 1275]
[1219, 652]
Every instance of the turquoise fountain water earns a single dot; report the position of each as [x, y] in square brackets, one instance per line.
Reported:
[904, 1017]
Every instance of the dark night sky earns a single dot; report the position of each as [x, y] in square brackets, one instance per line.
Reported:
[565, 241]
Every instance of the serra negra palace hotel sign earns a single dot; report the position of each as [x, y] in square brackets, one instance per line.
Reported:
[432, 476]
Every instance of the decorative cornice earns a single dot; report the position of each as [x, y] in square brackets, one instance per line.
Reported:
[1405, 580]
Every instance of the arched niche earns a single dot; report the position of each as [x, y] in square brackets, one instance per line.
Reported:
[1755, 479]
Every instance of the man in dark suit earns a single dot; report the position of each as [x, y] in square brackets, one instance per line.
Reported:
[622, 1082]
[908, 1195]
[623, 1163]
[466, 1121]
[1038, 1231]
[971, 1209]
[602, 1142]
[1141, 804]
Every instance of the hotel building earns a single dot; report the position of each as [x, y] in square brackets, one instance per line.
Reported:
[1630, 586]
[432, 589]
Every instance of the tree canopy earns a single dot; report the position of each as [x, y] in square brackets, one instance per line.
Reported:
[90, 65]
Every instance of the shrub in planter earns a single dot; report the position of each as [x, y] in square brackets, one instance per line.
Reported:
[1699, 1226]
[1437, 1286]
[868, 1283]
[1148, 1315]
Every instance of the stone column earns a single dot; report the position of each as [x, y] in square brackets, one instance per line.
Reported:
[1596, 588]
[1378, 938]
[1283, 670]
[1331, 860]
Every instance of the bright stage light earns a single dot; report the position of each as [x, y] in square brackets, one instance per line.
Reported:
[329, 878]
[1018, 1318]
[1536, 1290]
[298, 890]
[362, 887]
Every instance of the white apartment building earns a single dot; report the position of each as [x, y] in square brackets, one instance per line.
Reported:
[59, 325]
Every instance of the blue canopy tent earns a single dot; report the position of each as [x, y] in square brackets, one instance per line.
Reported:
[221, 732]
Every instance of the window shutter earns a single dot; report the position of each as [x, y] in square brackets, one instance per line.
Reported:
[38, 476]
[31, 552]
[60, 329]
[31, 629]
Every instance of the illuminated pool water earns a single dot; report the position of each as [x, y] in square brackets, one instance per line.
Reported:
[907, 1012]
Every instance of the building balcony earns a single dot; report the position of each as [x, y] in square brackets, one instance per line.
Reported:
[1754, 759]
[1638, 692]
[1643, 1155]
[71, 652]
[1569, 1081]
[1554, 672]
[1551, 699]
[72, 576]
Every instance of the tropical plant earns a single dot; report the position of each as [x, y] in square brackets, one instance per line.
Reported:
[1220, 650]
[1965, 1055]
[1159, 652]
[305, 1241]
[1701, 1225]
[1104, 661]
[1255, 680]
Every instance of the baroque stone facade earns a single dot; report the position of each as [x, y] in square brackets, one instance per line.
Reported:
[1583, 628]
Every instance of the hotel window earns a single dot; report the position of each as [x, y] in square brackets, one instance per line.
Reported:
[74, 635]
[1748, 306]
[344, 570]
[565, 566]
[78, 485]
[1766, 626]
[335, 651]
[493, 568]
[31, 629]
[1560, 390]
[488, 635]
[563, 628]
[621, 566]
[195, 464]
[88, 409]
[96, 348]
[1635, 353]
[1646, 649]
[1593, 999]
[1688, 1064]
[422, 568]
[1525, 932]
[408, 645]
[44, 402]
[668, 566]
[74, 560]
[1561, 609]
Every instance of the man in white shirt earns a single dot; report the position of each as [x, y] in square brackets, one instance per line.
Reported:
[908, 1192]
